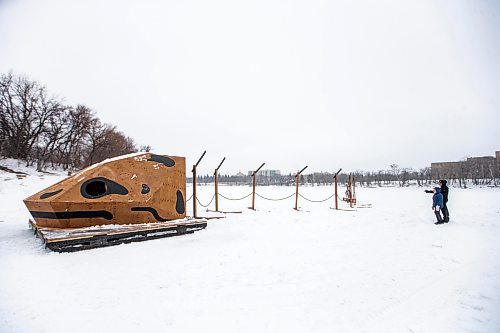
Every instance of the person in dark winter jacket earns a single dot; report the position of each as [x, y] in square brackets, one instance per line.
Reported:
[437, 204]
[444, 192]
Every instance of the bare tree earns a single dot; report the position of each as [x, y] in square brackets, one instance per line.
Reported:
[71, 149]
[395, 172]
[105, 141]
[145, 148]
[56, 129]
[26, 110]
[37, 127]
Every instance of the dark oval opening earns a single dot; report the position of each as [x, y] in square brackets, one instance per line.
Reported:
[95, 188]
[179, 204]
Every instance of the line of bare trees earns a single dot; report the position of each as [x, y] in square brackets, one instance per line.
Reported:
[475, 171]
[395, 175]
[42, 130]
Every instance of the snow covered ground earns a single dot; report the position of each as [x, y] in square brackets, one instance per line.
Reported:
[383, 269]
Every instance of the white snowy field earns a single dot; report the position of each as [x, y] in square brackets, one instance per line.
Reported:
[382, 269]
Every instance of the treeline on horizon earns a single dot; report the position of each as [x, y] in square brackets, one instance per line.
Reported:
[472, 171]
[42, 130]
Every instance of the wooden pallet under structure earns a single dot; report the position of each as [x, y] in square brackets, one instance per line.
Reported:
[78, 239]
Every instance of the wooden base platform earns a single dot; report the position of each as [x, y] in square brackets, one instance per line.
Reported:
[71, 240]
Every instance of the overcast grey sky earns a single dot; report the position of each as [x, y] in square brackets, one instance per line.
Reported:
[352, 84]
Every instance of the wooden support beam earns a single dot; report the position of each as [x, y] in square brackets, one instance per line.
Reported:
[194, 191]
[254, 183]
[216, 182]
[297, 181]
[353, 190]
[349, 188]
[194, 183]
[335, 177]
[216, 185]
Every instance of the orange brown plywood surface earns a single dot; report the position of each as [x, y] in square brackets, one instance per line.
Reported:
[136, 188]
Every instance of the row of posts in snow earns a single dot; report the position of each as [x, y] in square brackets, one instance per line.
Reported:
[322, 178]
[350, 193]
[266, 177]
[394, 177]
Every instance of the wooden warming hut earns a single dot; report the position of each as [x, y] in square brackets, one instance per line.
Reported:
[137, 189]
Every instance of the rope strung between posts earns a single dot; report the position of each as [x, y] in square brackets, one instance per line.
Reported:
[303, 197]
[206, 204]
[236, 199]
[191, 197]
[270, 199]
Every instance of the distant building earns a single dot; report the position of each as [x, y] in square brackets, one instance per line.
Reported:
[266, 173]
[269, 173]
[471, 167]
[446, 169]
[267, 177]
